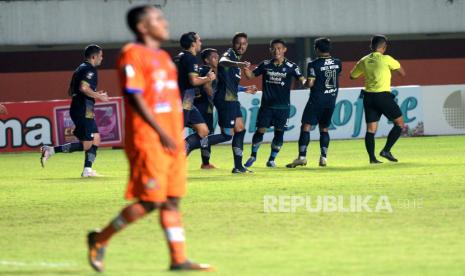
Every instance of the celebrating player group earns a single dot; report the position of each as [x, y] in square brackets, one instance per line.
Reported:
[161, 100]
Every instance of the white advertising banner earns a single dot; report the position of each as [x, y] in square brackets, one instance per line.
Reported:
[348, 120]
[444, 109]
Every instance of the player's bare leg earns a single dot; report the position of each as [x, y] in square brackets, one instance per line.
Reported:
[98, 240]
[393, 135]
[304, 140]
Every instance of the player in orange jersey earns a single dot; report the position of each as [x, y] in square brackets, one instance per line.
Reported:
[154, 141]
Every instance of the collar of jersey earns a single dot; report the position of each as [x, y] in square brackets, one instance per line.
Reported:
[284, 62]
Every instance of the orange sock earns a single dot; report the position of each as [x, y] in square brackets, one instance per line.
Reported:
[171, 222]
[128, 215]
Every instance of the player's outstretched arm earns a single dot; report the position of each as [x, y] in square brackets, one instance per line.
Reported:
[400, 72]
[249, 73]
[140, 107]
[226, 62]
[195, 80]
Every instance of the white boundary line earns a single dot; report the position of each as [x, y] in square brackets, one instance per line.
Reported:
[35, 264]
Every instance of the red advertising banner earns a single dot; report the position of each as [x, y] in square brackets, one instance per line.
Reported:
[29, 125]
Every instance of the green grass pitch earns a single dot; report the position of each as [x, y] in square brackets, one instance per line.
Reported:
[46, 213]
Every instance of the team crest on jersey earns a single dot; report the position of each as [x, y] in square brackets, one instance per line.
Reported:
[196, 67]
[151, 184]
[89, 75]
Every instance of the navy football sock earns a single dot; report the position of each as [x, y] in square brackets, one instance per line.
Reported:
[238, 147]
[91, 154]
[205, 154]
[304, 140]
[276, 144]
[324, 143]
[70, 147]
[257, 140]
[393, 135]
[192, 142]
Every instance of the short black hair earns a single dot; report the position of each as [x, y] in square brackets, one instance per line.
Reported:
[278, 40]
[238, 35]
[187, 39]
[323, 44]
[377, 41]
[135, 15]
[206, 53]
[92, 49]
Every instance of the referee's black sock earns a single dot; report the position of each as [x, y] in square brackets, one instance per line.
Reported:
[70, 147]
[238, 147]
[324, 143]
[394, 134]
[304, 139]
[257, 140]
[91, 154]
[370, 145]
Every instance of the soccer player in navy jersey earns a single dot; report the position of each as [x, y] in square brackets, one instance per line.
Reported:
[323, 80]
[278, 74]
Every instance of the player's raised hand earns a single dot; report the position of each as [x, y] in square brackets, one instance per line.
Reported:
[251, 89]
[211, 75]
[103, 96]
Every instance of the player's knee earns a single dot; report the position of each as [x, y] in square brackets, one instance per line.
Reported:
[399, 122]
[305, 128]
[86, 145]
[261, 130]
[202, 130]
[172, 203]
[149, 206]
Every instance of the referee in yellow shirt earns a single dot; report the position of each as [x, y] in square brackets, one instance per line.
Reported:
[377, 98]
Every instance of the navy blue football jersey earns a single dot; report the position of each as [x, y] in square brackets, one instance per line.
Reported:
[325, 71]
[187, 64]
[228, 79]
[82, 105]
[277, 81]
[201, 95]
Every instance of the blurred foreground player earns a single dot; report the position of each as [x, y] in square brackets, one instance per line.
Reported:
[154, 141]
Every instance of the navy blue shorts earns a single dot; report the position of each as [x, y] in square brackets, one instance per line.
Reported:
[268, 117]
[228, 112]
[84, 128]
[317, 115]
[380, 103]
[192, 117]
[206, 110]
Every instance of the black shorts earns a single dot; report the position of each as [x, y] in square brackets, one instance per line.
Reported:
[380, 103]
[268, 117]
[228, 111]
[317, 115]
[84, 128]
[206, 110]
[192, 117]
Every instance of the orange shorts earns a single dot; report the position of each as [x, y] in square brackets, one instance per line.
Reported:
[155, 175]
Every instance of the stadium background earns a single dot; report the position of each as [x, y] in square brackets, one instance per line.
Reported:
[41, 42]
